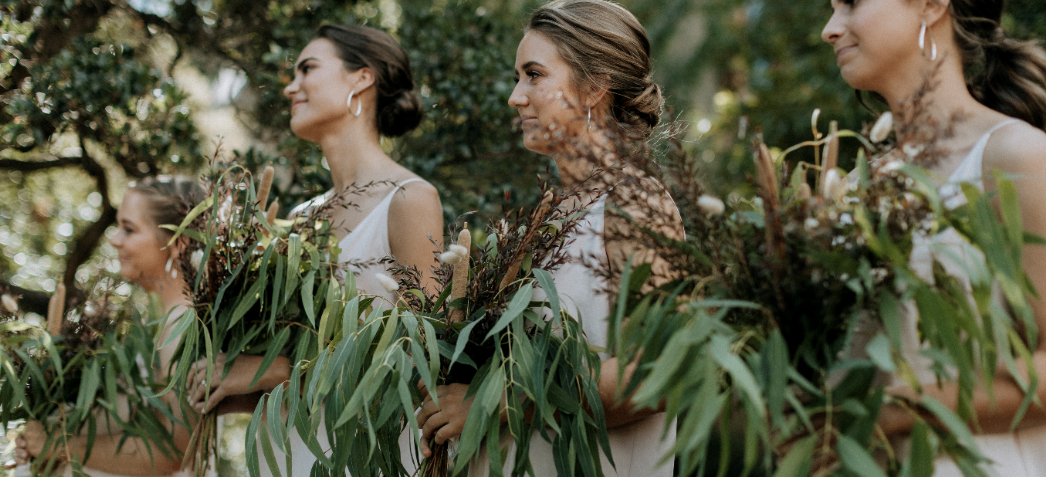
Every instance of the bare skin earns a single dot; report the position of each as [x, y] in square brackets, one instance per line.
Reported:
[547, 100]
[1017, 149]
[352, 146]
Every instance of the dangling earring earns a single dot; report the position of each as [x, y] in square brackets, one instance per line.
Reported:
[922, 42]
[589, 123]
[167, 268]
[359, 105]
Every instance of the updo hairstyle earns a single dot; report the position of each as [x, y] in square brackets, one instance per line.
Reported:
[399, 110]
[606, 47]
[1004, 74]
[169, 198]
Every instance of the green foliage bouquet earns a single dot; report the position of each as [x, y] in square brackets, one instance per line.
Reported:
[478, 326]
[789, 311]
[258, 286]
[88, 373]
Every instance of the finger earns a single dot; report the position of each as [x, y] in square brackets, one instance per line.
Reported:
[215, 399]
[434, 424]
[428, 408]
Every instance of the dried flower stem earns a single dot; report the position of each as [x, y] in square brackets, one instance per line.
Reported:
[56, 310]
[461, 273]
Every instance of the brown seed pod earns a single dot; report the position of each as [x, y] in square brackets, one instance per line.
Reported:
[56, 311]
[265, 186]
[461, 273]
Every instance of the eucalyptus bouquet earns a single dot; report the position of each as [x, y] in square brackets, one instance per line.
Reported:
[258, 285]
[787, 314]
[89, 372]
[478, 326]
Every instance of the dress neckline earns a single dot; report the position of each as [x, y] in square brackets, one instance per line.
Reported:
[383, 205]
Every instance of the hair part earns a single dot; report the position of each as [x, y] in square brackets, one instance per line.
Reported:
[169, 198]
[399, 109]
[607, 48]
[1003, 73]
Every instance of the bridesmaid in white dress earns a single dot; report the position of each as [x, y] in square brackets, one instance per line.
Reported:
[147, 262]
[889, 47]
[584, 68]
[352, 85]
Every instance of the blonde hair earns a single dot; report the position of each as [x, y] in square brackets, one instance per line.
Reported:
[606, 47]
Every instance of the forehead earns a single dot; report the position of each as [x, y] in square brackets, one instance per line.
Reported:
[536, 47]
[320, 48]
[134, 208]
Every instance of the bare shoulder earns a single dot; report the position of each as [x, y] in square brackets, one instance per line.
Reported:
[415, 197]
[1018, 148]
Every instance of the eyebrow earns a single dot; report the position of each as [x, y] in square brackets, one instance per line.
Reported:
[302, 62]
[528, 64]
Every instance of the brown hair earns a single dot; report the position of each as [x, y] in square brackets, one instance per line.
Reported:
[606, 47]
[169, 198]
[1004, 74]
[399, 110]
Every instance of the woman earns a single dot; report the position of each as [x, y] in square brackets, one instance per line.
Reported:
[147, 261]
[584, 81]
[352, 85]
[891, 47]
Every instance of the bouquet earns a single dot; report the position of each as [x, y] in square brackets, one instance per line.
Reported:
[478, 326]
[77, 376]
[787, 312]
[260, 286]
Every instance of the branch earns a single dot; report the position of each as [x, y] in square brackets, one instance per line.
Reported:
[31, 166]
[88, 241]
[33, 301]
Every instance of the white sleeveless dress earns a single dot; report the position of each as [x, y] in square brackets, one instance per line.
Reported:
[368, 241]
[1014, 454]
[637, 447]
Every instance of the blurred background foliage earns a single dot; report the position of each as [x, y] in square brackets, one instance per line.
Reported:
[97, 93]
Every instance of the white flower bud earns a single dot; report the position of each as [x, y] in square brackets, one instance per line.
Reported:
[711, 205]
[834, 187]
[387, 282]
[459, 250]
[882, 128]
[450, 258]
[90, 311]
[10, 303]
[195, 259]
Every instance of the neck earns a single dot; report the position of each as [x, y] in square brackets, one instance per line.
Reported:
[353, 153]
[589, 153]
[946, 98]
[171, 290]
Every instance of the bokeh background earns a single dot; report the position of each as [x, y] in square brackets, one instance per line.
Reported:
[97, 93]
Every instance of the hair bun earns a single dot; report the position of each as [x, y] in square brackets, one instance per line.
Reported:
[399, 114]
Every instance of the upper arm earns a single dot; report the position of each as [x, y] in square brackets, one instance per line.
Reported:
[642, 205]
[415, 221]
[1020, 152]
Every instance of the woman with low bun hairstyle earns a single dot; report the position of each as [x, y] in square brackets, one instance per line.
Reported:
[352, 85]
[996, 86]
[584, 83]
[148, 262]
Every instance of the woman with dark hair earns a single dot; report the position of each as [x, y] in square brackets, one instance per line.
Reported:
[352, 85]
[147, 261]
[997, 86]
[584, 84]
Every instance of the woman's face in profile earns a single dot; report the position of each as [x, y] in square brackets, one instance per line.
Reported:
[545, 95]
[874, 40]
[139, 242]
[320, 91]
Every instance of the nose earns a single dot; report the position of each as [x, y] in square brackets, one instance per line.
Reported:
[117, 240]
[518, 99]
[833, 30]
[291, 89]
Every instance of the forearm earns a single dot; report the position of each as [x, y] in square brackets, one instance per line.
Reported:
[992, 414]
[135, 457]
[619, 410]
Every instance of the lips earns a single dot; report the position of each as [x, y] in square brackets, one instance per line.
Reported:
[843, 51]
[297, 103]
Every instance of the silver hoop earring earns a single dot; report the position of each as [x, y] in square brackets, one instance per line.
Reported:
[922, 42]
[359, 105]
[589, 124]
[167, 268]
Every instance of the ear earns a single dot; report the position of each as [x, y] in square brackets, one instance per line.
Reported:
[178, 247]
[935, 10]
[594, 94]
[364, 79]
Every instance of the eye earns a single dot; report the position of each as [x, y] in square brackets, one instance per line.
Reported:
[305, 69]
[533, 74]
